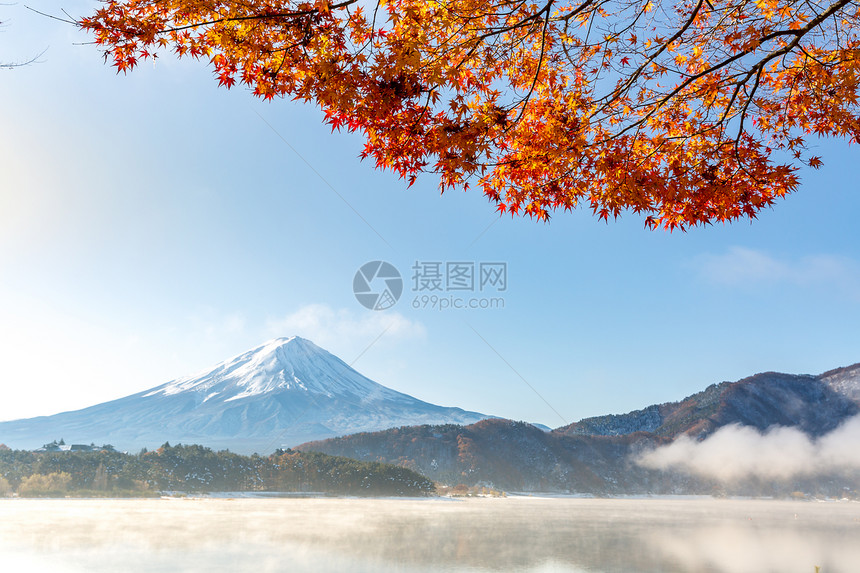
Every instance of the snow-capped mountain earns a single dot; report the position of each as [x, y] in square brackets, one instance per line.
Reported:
[280, 394]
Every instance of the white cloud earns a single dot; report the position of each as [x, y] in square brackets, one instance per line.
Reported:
[743, 266]
[735, 452]
[344, 332]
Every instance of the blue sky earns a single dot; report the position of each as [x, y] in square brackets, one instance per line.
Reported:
[153, 224]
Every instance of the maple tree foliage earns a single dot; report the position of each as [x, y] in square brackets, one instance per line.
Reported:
[688, 112]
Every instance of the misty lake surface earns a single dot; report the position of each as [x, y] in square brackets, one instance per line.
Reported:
[532, 534]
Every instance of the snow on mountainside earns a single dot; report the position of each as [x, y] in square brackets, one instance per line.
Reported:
[845, 381]
[282, 393]
[280, 364]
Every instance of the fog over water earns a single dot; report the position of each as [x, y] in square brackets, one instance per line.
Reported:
[538, 535]
[736, 452]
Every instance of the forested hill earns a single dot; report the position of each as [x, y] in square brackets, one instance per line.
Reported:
[198, 469]
[513, 456]
[516, 456]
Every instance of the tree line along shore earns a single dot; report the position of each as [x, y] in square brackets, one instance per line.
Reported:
[105, 472]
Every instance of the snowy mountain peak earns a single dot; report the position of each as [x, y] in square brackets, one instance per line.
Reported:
[280, 394]
[280, 364]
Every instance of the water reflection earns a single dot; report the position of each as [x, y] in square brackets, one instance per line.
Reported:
[411, 536]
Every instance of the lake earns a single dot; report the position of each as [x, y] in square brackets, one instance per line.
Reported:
[533, 534]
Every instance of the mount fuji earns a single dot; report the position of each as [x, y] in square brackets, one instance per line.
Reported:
[286, 392]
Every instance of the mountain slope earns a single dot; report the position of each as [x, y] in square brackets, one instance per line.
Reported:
[282, 393]
[814, 404]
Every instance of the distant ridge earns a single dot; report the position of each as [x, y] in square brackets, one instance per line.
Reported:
[814, 404]
[282, 393]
